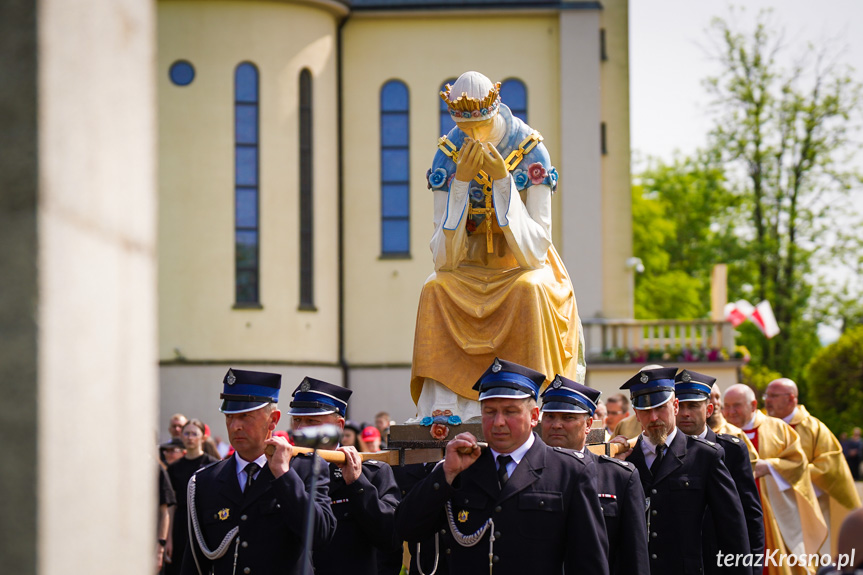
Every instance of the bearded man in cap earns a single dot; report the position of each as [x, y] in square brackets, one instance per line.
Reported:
[682, 477]
[693, 390]
[828, 470]
[246, 513]
[364, 495]
[518, 506]
[567, 411]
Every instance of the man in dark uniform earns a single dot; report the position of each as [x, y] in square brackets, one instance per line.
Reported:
[425, 554]
[682, 477]
[693, 390]
[567, 415]
[518, 506]
[246, 513]
[364, 494]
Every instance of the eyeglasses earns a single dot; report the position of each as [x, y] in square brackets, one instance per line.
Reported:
[773, 395]
[615, 412]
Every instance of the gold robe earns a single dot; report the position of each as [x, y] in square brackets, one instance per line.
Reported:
[490, 306]
[828, 471]
[629, 427]
[721, 425]
[793, 522]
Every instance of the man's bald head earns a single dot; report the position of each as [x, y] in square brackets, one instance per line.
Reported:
[780, 398]
[715, 400]
[739, 404]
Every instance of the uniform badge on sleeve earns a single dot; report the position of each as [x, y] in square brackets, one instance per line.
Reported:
[224, 513]
[462, 516]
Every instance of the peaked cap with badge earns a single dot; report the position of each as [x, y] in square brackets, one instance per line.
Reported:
[507, 380]
[248, 390]
[651, 388]
[692, 386]
[565, 395]
[316, 397]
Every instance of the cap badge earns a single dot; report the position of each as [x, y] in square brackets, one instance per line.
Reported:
[231, 379]
[556, 384]
[686, 378]
[496, 367]
[644, 378]
[305, 386]
[224, 513]
[462, 516]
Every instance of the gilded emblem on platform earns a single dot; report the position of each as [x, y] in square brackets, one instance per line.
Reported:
[224, 513]
[644, 378]
[462, 516]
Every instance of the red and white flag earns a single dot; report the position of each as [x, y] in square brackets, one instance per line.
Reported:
[761, 315]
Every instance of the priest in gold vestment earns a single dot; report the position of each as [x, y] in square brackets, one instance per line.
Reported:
[793, 523]
[828, 470]
[499, 288]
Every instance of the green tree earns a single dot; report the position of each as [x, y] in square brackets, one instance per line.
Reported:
[683, 224]
[784, 137]
[837, 371]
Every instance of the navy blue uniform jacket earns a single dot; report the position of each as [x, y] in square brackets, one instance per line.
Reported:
[622, 499]
[691, 479]
[737, 462]
[365, 511]
[269, 514]
[547, 516]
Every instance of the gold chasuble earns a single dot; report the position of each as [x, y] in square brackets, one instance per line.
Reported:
[722, 426]
[629, 427]
[831, 477]
[793, 522]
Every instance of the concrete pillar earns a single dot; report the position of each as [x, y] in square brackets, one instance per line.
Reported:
[77, 294]
[580, 165]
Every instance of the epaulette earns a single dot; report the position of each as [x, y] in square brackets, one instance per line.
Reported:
[706, 442]
[624, 464]
[728, 437]
[373, 462]
[571, 452]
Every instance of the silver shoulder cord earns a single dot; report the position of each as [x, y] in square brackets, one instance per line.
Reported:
[195, 530]
[473, 538]
[436, 557]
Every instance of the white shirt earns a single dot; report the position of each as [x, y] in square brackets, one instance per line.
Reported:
[701, 435]
[790, 416]
[516, 455]
[649, 449]
[241, 468]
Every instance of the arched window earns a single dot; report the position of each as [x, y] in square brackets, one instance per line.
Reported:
[395, 170]
[246, 185]
[513, 93]
[446, 121]
[307, 300]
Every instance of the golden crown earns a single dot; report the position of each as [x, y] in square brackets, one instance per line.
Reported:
[467, 108]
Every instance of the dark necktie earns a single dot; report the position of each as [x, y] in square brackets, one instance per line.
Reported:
[502, 462]
[660, 451]
[251, 469]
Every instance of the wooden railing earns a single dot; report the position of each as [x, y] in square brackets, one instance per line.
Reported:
[649, 340]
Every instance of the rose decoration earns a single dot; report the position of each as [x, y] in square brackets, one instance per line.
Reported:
[536, 173]
[439, 431]
[477, 195]
[470, 226]
[426, 421]
[453, 420]
[521, 179]
[475, 114]
[552, 178]
[437, 178]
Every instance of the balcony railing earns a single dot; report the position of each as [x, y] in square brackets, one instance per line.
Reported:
[648, 341]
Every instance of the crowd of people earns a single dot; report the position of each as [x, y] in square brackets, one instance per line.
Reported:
[699, 482]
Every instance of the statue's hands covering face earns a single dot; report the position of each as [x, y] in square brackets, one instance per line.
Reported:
[493, 163]
[470, 160]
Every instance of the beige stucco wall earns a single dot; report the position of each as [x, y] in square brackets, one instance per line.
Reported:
[196, 181]
[617, 279]
[382, 294]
